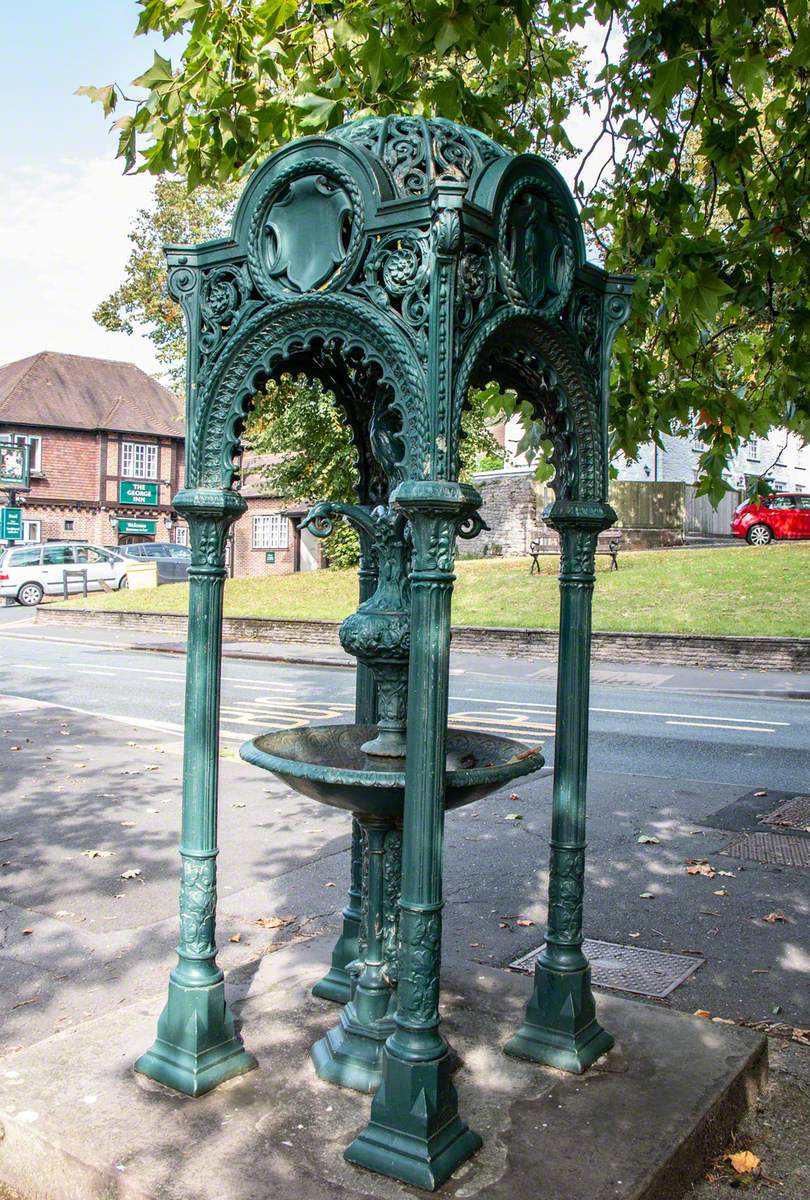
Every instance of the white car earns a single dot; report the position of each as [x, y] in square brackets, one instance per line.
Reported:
[29, 571]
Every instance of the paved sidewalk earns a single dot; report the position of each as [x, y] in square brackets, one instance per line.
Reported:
[86, 800]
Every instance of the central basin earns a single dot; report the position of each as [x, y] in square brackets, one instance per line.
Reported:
[325, 762]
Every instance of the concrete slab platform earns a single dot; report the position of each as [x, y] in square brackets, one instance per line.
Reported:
[77, 1124]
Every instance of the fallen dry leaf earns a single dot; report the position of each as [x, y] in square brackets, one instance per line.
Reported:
[744, 1162]
[721, 892]
[702, 1012]
[132, 874]
[762, 792]
[647, 839]
[97, 853]
[513, 817]
[701, 868]
[646, 896]
[274, 922]
[774, 917]
[28, 931]
[525, 923]
[237, 937]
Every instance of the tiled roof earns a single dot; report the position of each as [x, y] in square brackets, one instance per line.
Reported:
[70, 391]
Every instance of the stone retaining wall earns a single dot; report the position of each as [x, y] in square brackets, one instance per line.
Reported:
[755, 653]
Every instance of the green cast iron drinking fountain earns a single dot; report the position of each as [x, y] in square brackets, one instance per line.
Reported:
[399, 261]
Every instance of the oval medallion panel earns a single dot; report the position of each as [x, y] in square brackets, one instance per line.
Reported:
[537, 247]
[306, 231]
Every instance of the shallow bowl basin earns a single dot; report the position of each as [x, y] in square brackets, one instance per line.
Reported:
[325, 762]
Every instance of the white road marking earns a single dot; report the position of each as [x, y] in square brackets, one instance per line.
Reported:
[256, 687]
[624, 712]
[711, 725]
[138, 722]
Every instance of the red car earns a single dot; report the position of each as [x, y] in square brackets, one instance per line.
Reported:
[784, 515]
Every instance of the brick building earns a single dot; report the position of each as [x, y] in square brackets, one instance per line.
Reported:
[267, 540]
[106, 453]
[106, 449]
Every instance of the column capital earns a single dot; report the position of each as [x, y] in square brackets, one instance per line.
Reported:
[210, 504]
[435, 497]
[585, 516]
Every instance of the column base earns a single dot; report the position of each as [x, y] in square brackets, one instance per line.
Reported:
[196, 1047]
[350, 1054]
[336, 983]
[415, 1133]
[561, 1029]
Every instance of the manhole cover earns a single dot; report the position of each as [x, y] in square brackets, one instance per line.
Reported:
[795, 813]
[628, 968]
[773, 848]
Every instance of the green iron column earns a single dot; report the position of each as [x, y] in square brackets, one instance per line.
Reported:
[560, 1027]
[415, 1133]
[336, 983]
[197, 1046]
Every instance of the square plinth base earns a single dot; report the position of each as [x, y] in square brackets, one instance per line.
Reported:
[79, 1124]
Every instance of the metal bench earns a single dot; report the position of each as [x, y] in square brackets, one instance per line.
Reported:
[548, 542]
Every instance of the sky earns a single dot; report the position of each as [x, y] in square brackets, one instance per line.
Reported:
[65, 206]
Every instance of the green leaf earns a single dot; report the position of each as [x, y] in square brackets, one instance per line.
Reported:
[669, 78]
[447, 35]
[318, 110]
[105, 96]
[159, 73]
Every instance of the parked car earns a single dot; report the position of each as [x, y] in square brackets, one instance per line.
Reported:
[173, 561]
[783, 515]
[29, 571]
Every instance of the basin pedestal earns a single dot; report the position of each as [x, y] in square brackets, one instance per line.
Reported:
[351, 1053]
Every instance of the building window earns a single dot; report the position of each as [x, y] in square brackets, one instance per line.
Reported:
[181, 535]
[32, 531]
[35, 443]
[70, 525]
[139, 460]
[271, 531]
[752, 448]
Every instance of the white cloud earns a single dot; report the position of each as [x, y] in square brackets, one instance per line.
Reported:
[63, 246]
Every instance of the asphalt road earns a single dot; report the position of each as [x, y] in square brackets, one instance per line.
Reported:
[749, 730]
[669, 748]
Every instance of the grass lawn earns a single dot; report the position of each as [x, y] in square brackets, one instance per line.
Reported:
[739, 590]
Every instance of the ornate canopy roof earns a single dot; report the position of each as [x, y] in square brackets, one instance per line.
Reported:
[401, 260]
[418, 151]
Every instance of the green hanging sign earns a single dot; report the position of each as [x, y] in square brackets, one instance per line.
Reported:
[136, 491]
[15, 463]
[129, 527]
[11, 524]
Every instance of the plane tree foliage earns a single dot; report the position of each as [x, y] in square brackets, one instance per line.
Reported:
[697, 180]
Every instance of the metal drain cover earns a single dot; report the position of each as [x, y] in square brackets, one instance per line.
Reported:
[628, 968]
[773, 848]
[794, 813]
